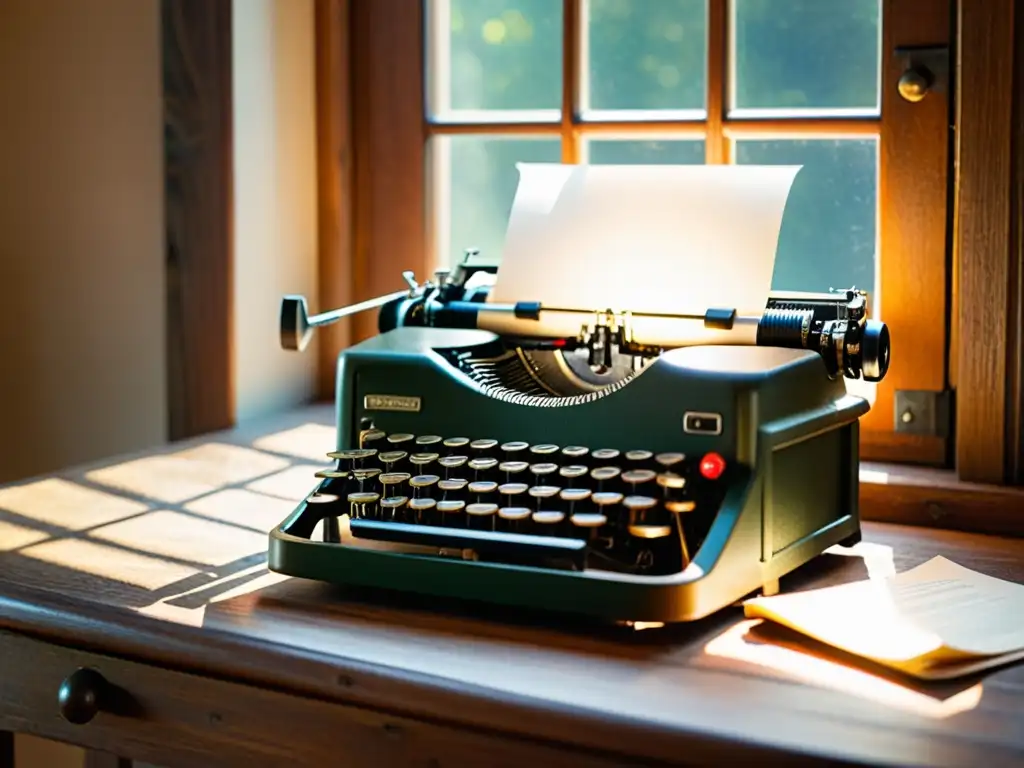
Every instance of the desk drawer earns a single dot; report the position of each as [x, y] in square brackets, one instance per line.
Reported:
[174, 719]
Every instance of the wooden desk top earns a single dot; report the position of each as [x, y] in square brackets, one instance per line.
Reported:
[160, 558]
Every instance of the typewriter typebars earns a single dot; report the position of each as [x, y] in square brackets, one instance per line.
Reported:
[579, 461]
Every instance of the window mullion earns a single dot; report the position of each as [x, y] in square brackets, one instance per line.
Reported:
[715, 145]
[572, 66]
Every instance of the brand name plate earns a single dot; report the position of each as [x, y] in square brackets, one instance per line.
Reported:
[405, 403]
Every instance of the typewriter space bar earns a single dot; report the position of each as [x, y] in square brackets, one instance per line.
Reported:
[544, 551]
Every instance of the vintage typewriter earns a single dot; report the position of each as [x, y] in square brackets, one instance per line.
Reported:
[580, 460]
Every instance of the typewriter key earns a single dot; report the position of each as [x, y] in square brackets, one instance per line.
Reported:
[512, 468]
[604, 474]
[421, 509]
[400, 438]
[423, 481]
[573, 497]
[638, 456]
[371, 438]
[392, 481]
[606, 498]
[544, 449]
[605, 454]
[669, 459]
[322, 498]
[451, 486]
[331, 474]
[481, 515]
[671, 481]
[512, 489]
[362, 503]
[513, 449]
[637, 477]
[352, 454]
[549, 522]
[514, 517]
[452, 462]
[680, 507]
[480, 487]
[391, 458]
[450, 507]
[422, 459]
[482, 465]
[455, 443]
[589, 525]
[639, 508]
[390, 508]
[451, 513]
[575, 451]
[482, 445]
[426, 440]
[543, 492]
[650, 531]
[572, 471]
[543, 469]
[363, 475]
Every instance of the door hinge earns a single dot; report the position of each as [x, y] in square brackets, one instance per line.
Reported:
[925, 412]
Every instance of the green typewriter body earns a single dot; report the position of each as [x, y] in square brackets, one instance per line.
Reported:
[465, 469]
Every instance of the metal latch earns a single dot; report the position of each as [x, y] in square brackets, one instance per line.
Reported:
[924, 412]
[925, 69]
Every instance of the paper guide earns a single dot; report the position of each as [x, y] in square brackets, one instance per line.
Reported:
[662, 238]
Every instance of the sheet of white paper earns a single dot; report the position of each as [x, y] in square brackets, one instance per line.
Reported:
[655, 238]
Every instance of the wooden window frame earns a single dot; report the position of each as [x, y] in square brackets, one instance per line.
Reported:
[376, 149]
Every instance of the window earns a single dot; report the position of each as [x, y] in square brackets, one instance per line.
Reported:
[688, 81]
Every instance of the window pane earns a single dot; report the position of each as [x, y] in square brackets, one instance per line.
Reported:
[494, 55]
[828, 237]
[806, 55]
[645, 55]
[635, 151]
[481, 181]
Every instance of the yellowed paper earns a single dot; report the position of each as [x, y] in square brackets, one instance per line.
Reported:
[937, 620]
[660, 238]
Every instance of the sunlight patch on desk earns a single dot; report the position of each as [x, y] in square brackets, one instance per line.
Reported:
[293, 484]
[166, 533]
[737, 644]
[309, 441]
[176, 477]
[878, 558]
[17, 536]
[181, 610]
[242, 507]
[110, 563]
[66, 504]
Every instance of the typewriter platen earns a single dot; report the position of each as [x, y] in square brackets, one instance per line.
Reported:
[582, 461]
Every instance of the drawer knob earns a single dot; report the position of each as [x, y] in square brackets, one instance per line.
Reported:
[80, 697]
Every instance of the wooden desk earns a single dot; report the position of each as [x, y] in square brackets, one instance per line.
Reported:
[151, 571]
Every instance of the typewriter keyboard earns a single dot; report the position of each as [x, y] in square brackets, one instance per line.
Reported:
[563, 507]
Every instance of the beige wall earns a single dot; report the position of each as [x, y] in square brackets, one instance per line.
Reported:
[82, 363]
[275, 197]
[81, 232]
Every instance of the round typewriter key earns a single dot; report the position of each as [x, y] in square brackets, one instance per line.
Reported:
[482, 465]
[639, 508]
[425, 440]
[391, 458]
[544, 449]
[575, 451]
[589, 520]
[548, 517]
[455, 442]
[421, 509]
[575, 494]
[680, 507]
[514, 518]
[400, 438]
[544, 491]
[322, 498]
[572, 471]
[514, 448]
[390, 507]
[362, 475]
[603, 474]
[669, 459]
[452, 462]
[512, 467]
[449, 507]
[483, 444]
[638, 455]
[423, 481]
[331, 474]
[481, 516]
[512, 489]
[371, 438]
[421, 459]
[451, 486]
[638, 476]
[606, 498]
[650, 531]
[672, 481]
[543, 469]
[605, 454]
[482, 486]
[352, 454]
[362, 503]
[389, 479]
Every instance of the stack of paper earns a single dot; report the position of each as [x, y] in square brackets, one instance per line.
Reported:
[937, 621]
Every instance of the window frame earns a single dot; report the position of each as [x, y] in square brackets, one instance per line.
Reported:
[383, 152]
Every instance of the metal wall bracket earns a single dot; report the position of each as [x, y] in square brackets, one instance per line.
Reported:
[924, 412]
[925, 69]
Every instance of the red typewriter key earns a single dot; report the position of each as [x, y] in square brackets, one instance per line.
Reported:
[712, 466]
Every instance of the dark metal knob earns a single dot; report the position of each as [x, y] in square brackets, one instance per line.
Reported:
[81, 695]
